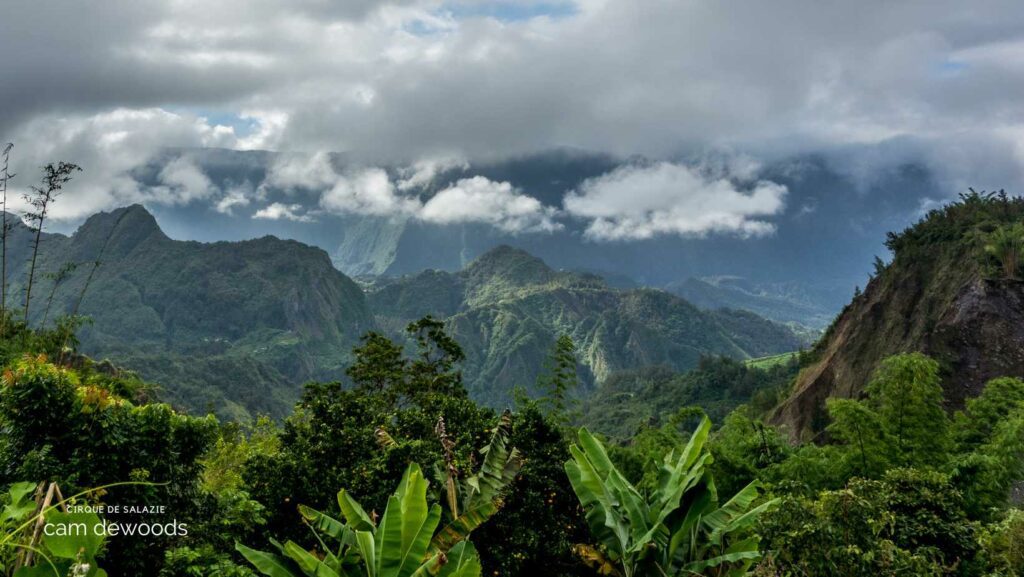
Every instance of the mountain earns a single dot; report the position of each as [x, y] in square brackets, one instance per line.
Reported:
[942, 295]
[782, 302]
[237, 327]
[507, 308]
[233, 326]
[832, 224]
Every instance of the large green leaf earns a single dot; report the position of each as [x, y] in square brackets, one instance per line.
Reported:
[602, 518]
[680, 529]
[59, 568]
[463, 561]
[499, 468]
[324, 523]
[83, 534]
[739, 504]
[268, 563]
[310, 564]
[368, 550]
[460, 528]
[354, 514]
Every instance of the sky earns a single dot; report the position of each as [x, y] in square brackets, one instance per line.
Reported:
[417, 86]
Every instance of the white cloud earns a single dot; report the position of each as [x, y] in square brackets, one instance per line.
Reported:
[391, 82]
[423, 172]
[367, 191]
[280, 211]
[234, 196]
[181, 183]
[293, 172]
[478, 199]
[638, 202]
[109, 146]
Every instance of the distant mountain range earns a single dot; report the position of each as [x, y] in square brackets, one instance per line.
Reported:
[782, 302]
[825, 239]
[236, 327]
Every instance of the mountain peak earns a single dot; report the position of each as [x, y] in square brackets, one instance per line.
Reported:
[510, 264]
[123, 227]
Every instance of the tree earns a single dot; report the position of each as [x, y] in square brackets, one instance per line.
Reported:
[5, 176]
[855, 425]
[402, 544]
[329, 441]
[678, 529]
[1006, 245]
[559, 377]
[433, 370]
[40, 198]
[909, 522]
[974, 425]
[539, 499]
[380, 366]
[58, 278]
[71, 426]
[907, 396]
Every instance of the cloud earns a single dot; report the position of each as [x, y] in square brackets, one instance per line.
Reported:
[478, 199]
[423, 172]
[280, 211]
[234, 196]
[392, 83]
[110, 146]
[639, 202]
[367, 192]
[291, 172]
[181, 183]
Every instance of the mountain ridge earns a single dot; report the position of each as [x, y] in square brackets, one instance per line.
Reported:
[941, 295]
[510, 300]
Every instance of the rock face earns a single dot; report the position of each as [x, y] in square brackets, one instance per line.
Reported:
[940, 297]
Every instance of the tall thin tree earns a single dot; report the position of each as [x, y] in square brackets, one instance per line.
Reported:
[55, 176]
[62, 274]
[71, 323]
[4, 229]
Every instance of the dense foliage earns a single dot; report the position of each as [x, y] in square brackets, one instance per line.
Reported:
[678, 528]
[630, 401]
[894, 485]
[508, 309]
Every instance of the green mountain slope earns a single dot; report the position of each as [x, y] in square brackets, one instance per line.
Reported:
[941, 295]
[232, 326]
[508, 307]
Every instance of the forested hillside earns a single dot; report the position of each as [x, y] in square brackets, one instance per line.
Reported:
[233, 327]
[508, 307]
[953, 291]
[237, 327]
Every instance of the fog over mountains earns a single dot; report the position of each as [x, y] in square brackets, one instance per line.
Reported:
[810, 250]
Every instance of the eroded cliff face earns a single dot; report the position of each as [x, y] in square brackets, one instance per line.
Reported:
[937, 298]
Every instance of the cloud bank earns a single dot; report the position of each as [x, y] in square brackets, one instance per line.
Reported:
[639, 202]
[398, 83]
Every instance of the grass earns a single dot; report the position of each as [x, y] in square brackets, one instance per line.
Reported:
[766, 362]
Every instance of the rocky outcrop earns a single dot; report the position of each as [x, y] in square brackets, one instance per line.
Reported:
[937, 297]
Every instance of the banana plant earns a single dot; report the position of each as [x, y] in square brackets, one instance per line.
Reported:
[400, 545]
[473, 500]
[680, 529]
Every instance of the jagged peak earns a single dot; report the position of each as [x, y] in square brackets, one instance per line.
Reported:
[131, 224]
